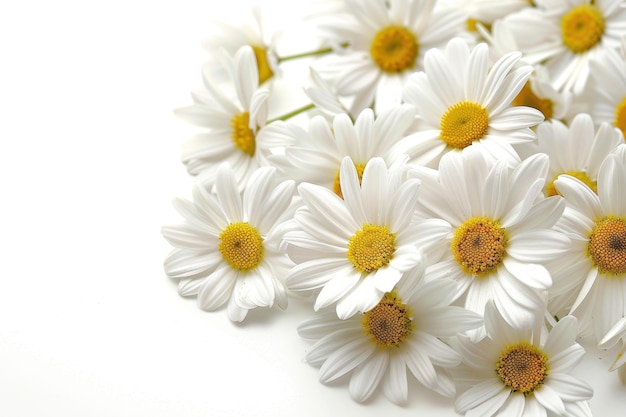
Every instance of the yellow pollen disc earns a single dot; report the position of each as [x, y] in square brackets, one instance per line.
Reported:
[582, 28]
[389, 323]
[394, 49]
[620, 116]
[522, 367]
[463, 123]
[337, 184]
[479, 245]
[607, 245]
[241, 246]
[371, 248]
[551, 189]
[262, 63]
[527, 97]
[243, 136]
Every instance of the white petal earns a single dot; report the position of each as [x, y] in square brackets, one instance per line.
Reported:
[569, 388]
[491, 393]
[346, 358]
[336, 288]
[533, 275]
[394, 384]
[547, 397]
[367, 376]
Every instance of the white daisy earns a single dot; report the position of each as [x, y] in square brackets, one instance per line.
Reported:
[608, 86]
[463, 102]
[229, 248]
[502, 231]
[617, 336]
[317, 156]
[356, 249]
[387, 42]
[566, 34]
[407, 329]
[234, 123]
[596, 224]
[531, 377]
[577, 150]
[231, 37]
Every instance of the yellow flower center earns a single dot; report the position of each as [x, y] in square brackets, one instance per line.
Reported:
[551, 189]
[389, 323]
[479, 245]
[337, 184]
[522, 367]
[262, 63]
[394, 49]
[582, 28]
[527, 97]
[243, 136]
[371, 248]
[241, 246]
[620, 116]
[463, 123]
[607, 245]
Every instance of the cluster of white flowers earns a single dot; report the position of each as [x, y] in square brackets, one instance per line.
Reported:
[452, 201]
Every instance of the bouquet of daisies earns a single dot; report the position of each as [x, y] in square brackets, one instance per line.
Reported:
[450, 199]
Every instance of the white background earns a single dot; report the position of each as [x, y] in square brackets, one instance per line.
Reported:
[89, 324]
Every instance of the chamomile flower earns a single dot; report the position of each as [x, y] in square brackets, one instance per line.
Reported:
[234, 121]
[464, 102]
[608, 86]
[577, 150]
[502, 231]
[231, 37]
[596, 224]
[566, 34]
[531, 377]
[407, 329]
[617, 336]
[317, 156]
[387, 42]
[356, 249]
[228, 250]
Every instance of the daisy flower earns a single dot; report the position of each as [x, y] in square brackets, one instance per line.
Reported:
[577, 150]
[317, 156]
[228, 250]
[387, 42]
[231, 37]
[502, 231]
[531, 377]
[464, 101]
[608, 86]
[357, 248]
[596, 224]
[615, 336]
[566, 34]
[407, 329]
[234, 124]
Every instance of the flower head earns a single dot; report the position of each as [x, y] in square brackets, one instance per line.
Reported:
[531, 376]
[228, 250]
[407, 329]
[356, 248]
[463, 102]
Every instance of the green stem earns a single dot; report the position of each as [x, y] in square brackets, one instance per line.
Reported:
[305, 54]
[292, 113]
[309, 53]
